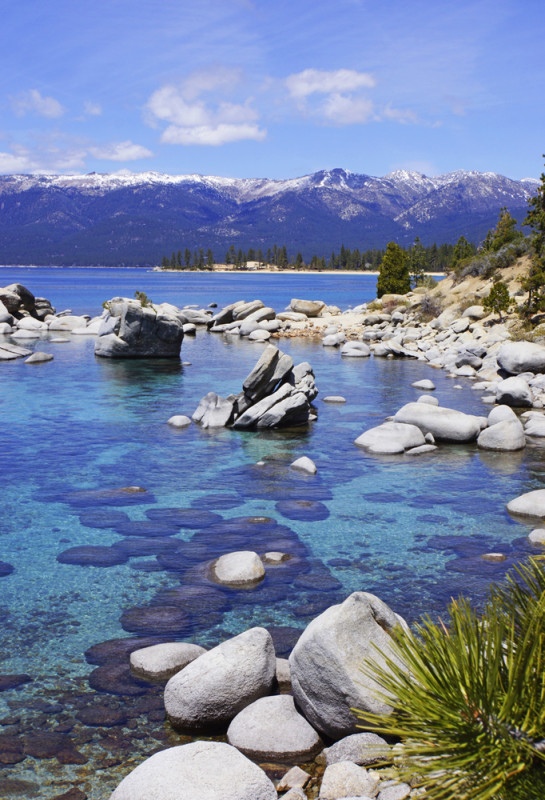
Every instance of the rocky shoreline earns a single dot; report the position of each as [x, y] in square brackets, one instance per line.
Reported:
[287, 711]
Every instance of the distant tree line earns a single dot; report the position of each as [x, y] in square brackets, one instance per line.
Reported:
[430, 258]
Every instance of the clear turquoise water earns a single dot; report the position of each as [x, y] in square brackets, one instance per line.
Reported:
[409, 530]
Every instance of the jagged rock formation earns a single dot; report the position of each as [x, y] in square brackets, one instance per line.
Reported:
[132, 330]
[275, 394]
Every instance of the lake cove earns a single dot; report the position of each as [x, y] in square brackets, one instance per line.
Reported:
[111, 517]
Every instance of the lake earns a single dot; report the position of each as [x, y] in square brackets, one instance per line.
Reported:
[78, 429]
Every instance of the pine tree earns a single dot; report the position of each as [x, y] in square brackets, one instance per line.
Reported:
[417, 263]
[504, 233]
[179, 259]
[187, 257]
[394, 277]
[534, 283]
[209, 258]
[498, 300]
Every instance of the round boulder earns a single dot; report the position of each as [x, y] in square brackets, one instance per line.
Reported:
[196, 771]
[347, 780]
[272, 730]
[304, 464]
[238, 568]
[310, 308]
[179, 421]
[162, 661]
[507, 435]
[514, 391]
[445, 423]
[531, 504]
[390, 438]
[537, 536]
[424, 385]
[210, 692]
[517, 357]
[355, 350]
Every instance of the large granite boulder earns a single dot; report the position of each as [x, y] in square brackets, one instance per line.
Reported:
[391, 438]
[17, 298]
[208, 693]
[132, 330]
[507, 435]
[445, 424]
[271, 729]
[517, 357]
[241, 568]
[325, 664]
[310, 308]
[514, 392]
[531, 504]
[272, 368]
[196, 771]
[363, 749]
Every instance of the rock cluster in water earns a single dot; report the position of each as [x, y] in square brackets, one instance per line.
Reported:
[234, 689]
[275, 394]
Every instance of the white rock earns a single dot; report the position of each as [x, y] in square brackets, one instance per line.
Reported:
[270, 729]
[179, 421]
[295, 778]
[197, 771]
[501, 414]
[334, 398]
[537, 536]
[22, 334]
[514, 391]
[427, 398]
[238, 568]
[390, 438]
[535, 427]
[517, 357]
[445, 423]
[283, 675]
[259, 335]
[162, 661]
[425, 385]
[30, 324]
[209, 692]
[363, 749]
[530, 504]
[355, 350]
[304, 464]
[345, 779]
[38, 358]
[507, 435]
[325, 664]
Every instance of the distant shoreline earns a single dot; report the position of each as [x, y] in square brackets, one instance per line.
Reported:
[246, 272]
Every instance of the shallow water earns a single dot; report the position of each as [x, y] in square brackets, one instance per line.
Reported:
[77, 429]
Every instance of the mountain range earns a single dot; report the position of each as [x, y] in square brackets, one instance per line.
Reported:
[127, 219]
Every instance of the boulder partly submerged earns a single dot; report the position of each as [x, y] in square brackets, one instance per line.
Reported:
[275, 394]
[391, 438]
[517, 357]
[531, 504]
[132, 330]
[196, 771]
[445, 424]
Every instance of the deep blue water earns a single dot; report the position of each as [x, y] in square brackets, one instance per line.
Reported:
[77, 429]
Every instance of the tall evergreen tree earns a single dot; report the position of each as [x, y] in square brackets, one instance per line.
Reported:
[394, 276]
[187, 257]
[417, 263]
[534, 283]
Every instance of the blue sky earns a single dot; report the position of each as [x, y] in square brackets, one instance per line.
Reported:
[272, 88]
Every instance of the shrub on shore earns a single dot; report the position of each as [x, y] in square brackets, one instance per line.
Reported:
[470, 700]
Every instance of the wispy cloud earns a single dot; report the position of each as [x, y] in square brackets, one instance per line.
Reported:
[121, 151]
[13, 163]
[210, 120]
[312, 81]
[32, 102]
[92, 109]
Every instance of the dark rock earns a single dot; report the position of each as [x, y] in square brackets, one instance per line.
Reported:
[101, 716]
[307, 510]
[13, 681]
[92, 556]
[158, 620]
[145, 546]
[102, 518]
[217, 501]
[147, 528]
[13, 787]
[193, 599]
[183, 517]
[125, 496]
[72, 794]
[116, 679]
[44, 744]
[117, 650]
[5, 569]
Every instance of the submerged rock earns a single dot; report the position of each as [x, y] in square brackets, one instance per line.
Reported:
[162, 661]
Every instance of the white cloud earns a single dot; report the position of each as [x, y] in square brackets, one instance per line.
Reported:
[194, 120]
[312, 81]
[34, 103]
[12, 163]
[121, 151]
[405, 116]
[213, 135]
[341, 109]
[92, 109]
